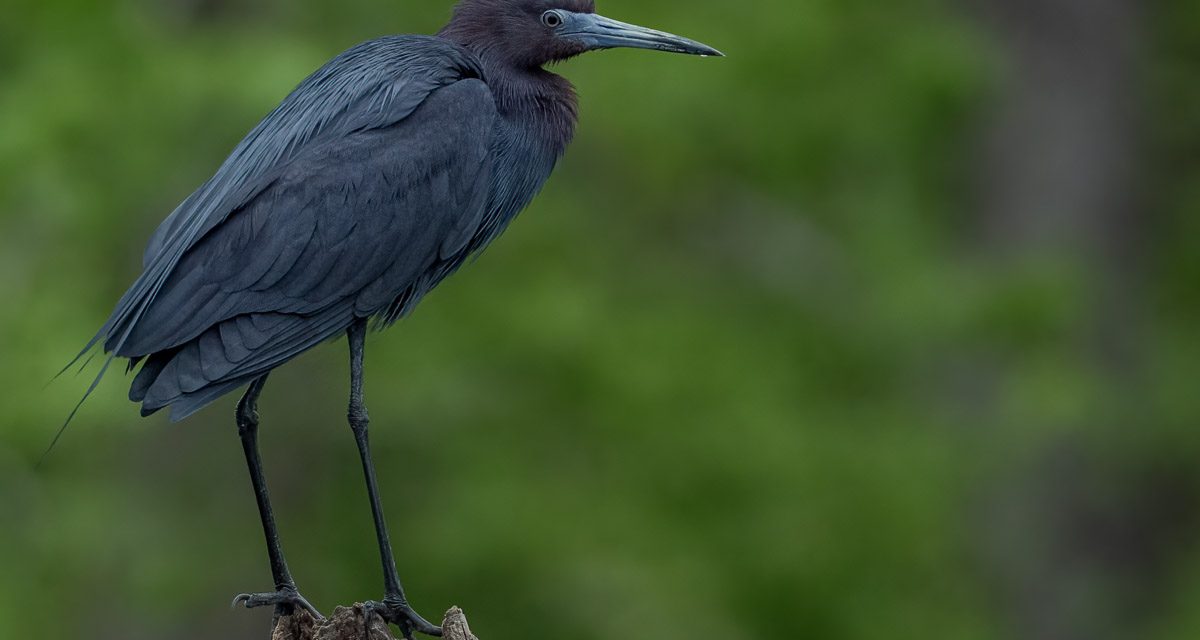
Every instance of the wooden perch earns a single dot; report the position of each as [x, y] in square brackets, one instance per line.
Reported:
[349, 623]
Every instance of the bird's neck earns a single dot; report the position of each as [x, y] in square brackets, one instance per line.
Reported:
[536, 98]
[526, 96]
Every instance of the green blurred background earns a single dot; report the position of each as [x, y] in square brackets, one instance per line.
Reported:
[885, 326]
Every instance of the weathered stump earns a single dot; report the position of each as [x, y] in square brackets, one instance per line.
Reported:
[350, 623]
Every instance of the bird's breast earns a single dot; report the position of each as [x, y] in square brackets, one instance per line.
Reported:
[522, 157]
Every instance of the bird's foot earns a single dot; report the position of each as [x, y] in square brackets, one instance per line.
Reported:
[286, 601]
[398, 612]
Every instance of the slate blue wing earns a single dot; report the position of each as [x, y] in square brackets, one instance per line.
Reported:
[360, 215]
[373, 85]
[349, 228]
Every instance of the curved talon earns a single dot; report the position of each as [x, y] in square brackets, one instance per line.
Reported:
[281, 598]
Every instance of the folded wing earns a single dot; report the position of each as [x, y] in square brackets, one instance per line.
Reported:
[344, 203]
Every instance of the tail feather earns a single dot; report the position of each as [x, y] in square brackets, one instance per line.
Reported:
[86, 394]
[192, 375]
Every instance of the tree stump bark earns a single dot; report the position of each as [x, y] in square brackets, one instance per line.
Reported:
[350, 623]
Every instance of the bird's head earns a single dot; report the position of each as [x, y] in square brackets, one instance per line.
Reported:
[532, 33]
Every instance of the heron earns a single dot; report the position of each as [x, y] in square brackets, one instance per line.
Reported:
[371, 182]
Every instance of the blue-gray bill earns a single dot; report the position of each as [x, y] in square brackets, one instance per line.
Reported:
[598, 32]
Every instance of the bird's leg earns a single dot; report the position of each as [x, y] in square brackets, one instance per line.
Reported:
[394, 608]
[285, 598]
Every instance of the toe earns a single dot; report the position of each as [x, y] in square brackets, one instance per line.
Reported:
[403, 616]
[282, 598]
[303, 603]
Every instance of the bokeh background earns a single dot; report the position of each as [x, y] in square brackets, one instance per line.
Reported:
[885, 326]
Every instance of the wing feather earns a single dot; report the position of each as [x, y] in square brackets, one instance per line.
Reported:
[350, 199]
[371, 86]
[341, 234]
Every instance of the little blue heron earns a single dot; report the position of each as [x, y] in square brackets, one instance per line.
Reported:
[377, 177]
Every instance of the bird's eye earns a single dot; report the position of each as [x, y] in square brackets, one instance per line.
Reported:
[552, 19]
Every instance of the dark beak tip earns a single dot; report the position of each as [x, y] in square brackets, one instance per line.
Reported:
[704, 51]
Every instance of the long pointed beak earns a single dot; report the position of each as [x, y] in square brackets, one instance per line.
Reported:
[598, 32]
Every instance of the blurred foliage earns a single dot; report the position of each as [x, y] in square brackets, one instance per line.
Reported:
[722, 379]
